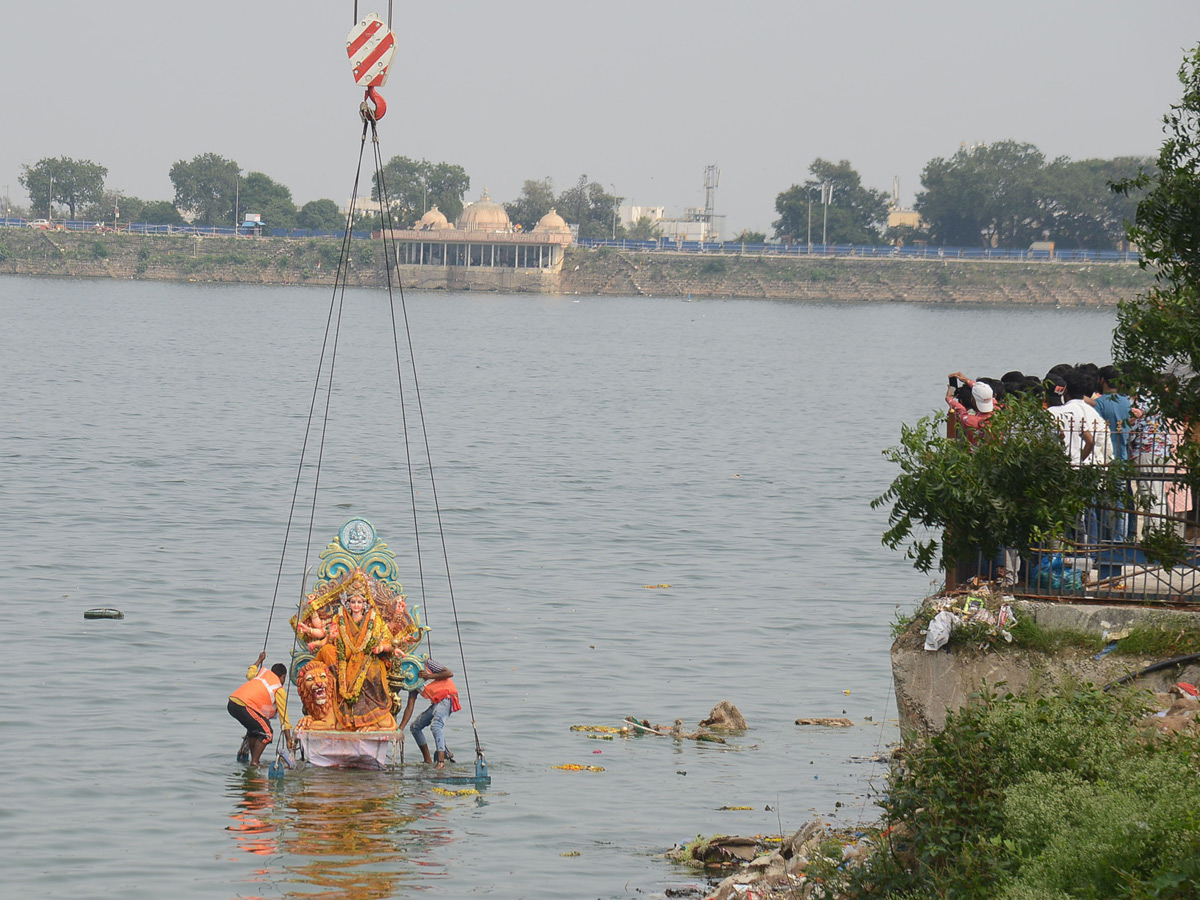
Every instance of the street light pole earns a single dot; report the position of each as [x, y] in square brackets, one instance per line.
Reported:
[810, 221]
[826, 199]
[614, 196]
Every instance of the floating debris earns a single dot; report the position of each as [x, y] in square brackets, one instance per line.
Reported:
[731, 808]
[725, 716]
[464, 792]
[575, 767]
[675, 731]
[103, 612]
[601, 729]
[655, 587]
[827, 721]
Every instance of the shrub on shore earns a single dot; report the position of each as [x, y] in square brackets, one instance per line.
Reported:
[1050, 797]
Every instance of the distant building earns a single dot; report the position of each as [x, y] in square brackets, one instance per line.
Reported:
[693, 225]
[482, 250]
[909, 217]
[631, 215]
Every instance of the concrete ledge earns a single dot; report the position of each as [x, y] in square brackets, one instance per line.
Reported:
[929, 684]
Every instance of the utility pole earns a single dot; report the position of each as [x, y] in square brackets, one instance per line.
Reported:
[810, 221]
[614, 222]
[826, 199]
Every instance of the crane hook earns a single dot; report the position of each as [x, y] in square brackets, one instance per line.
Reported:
[373, 107]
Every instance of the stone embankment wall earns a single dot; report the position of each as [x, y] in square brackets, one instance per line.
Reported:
[187, 258]
[602, 271]
[929, 684]
[607, 271]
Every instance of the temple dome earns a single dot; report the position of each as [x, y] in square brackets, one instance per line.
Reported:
[434, 220]
[552, 223]
[485, 215]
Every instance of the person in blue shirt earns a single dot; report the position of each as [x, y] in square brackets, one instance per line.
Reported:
[1118, 412]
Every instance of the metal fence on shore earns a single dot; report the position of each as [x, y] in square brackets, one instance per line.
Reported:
[1101, 557]
[149, 229]
[868, 251]
[724, 248]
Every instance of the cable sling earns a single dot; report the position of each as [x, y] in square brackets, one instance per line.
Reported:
[329, 348]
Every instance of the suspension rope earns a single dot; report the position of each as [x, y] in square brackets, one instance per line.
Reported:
[391, 257]
[338, 279]
[337, 300]
[329, 347]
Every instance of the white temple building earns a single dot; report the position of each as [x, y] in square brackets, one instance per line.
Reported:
[482, 250]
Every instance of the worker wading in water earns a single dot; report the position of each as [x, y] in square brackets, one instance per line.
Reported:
[255, 703]
[442, 695]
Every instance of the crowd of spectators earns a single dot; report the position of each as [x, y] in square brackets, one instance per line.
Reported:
[1101, 420]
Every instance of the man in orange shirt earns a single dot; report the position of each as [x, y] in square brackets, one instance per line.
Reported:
[442, 695]
[255, 703]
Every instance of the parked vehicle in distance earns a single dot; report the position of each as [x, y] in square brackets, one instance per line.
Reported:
[40, 224]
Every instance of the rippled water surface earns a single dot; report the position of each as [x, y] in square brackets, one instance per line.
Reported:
[585, 448]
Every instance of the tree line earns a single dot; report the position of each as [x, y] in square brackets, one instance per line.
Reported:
[1006, 194]
[213, 190]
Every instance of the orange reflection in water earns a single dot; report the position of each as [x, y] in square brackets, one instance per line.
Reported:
[350, 834]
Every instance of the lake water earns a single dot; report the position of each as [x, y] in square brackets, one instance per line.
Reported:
[584, 447]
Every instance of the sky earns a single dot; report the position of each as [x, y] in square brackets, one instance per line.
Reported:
[638, 96]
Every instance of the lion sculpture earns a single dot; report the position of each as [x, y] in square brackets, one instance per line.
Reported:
[315, 685]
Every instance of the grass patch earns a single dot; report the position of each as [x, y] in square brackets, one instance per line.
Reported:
[1029, 635]
[1166, 637]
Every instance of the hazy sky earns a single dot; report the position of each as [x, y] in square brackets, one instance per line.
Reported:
[639, 96]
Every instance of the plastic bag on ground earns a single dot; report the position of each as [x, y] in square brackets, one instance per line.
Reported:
[939, 630]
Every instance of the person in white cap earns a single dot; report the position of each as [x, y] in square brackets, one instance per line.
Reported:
[973, 422]
[1007, 562]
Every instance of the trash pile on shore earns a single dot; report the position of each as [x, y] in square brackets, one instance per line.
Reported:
[791, 870]
[980, 604]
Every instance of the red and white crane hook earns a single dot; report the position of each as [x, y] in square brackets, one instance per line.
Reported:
[371, 47]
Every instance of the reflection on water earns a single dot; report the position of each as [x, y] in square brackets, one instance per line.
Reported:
[327, 833]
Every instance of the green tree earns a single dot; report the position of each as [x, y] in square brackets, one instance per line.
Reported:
[1082, 209]
[903, 235]
[850, 213]
[273, 201]
[1156, 342]
[110, 201]
[590, 207]
[750, 237]
[321, 215]
[1015, 488]
[988, 195]
[72, 182]
[160, 212]
[644, 229]
[208, 186]
[413, 187]
[537, 199]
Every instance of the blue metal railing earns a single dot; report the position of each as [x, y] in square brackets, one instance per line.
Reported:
[877, 251]
[728, 248]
